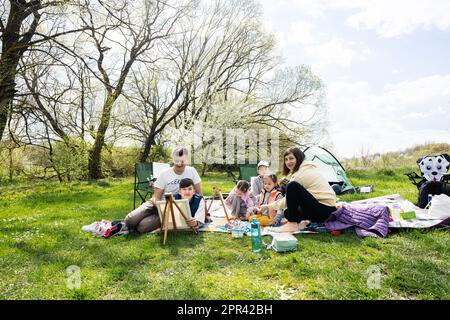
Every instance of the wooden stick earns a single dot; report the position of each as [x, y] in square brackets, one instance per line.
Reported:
[173, 214]
[223, 205]
[212, 200]
[166, 225]
[163, 216]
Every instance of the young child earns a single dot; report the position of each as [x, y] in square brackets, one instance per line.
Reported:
[196, 202]
[269, 195]
[239, 201]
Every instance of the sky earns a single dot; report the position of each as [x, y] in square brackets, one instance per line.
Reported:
[385, 65]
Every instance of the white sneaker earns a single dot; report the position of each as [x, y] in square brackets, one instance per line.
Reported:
[102, 227]
[90, 227]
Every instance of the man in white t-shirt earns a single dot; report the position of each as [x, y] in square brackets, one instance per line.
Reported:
[145, 218]
[169, 180]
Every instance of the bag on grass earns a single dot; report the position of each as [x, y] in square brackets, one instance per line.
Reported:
[440, 207]
[432, 188]
[283, 242]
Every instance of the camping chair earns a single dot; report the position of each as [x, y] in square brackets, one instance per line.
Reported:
[143, 181]
[246, 171]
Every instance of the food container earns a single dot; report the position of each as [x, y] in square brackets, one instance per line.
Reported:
[237, 232]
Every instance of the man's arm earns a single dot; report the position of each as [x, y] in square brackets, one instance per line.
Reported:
[198, 188]
[157, 194]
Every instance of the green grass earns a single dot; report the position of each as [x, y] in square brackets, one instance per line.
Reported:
[40, 237]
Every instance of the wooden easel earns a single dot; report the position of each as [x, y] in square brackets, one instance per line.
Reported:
[218, 191]
[165, 216]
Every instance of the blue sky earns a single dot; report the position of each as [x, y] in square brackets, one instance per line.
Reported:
[386, 66]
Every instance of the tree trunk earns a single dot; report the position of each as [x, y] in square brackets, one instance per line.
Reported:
[94, 163]
[13, 46]
[149, 142]
[204, 168]
[3, 119]
[10, 165]
[7, 90]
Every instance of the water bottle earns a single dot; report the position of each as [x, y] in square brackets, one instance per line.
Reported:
[256, 236]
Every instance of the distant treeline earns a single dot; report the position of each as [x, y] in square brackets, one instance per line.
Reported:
[405, 158]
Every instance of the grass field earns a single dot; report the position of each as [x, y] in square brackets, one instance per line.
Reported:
[40, 238]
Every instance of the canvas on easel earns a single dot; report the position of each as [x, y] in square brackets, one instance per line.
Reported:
[174, 214]
[180, 222]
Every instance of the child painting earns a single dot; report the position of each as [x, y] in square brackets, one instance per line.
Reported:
[239, 201]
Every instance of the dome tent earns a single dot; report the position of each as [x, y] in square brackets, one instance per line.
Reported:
[330, 168]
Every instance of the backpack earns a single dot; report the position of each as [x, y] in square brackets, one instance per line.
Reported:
[434, 177]
[431, 188]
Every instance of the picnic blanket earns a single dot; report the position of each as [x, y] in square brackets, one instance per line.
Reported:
[394, 201]
[369, 221]
[219, 222]
[398, 204]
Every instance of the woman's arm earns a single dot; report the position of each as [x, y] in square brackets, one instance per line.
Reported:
[279, 204]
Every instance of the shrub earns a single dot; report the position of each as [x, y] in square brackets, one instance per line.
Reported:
[70, 159]
[119, 162]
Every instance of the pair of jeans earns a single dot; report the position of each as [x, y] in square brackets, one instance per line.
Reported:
[301, 205]
[144, 218]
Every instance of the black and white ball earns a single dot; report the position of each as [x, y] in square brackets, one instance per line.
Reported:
[434, 167]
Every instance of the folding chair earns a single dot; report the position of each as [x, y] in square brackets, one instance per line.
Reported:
[246, 171]
[143, 178]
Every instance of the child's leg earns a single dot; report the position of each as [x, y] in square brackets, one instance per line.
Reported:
[235, 205]
[242, 209]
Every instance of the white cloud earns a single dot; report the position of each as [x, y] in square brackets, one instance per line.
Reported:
[323, 49]
[336, 52]
[302, 32]
[394, 18]
[388, 18]
[403, 114]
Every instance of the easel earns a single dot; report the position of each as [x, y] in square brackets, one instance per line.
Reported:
[218, 191]
[165, 216]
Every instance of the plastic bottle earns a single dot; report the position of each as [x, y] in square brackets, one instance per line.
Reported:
[256, 236]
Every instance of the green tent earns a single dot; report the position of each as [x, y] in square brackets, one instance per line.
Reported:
[330, 168]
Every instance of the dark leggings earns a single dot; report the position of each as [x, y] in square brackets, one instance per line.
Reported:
[301, 205]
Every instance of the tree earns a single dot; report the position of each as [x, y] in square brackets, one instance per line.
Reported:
[135, 70]
[129, 30]
[18, 35]
[219, 50]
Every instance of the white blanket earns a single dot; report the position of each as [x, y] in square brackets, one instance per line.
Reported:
[396, 203]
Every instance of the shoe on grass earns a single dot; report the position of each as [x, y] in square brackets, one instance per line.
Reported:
[90, 227]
